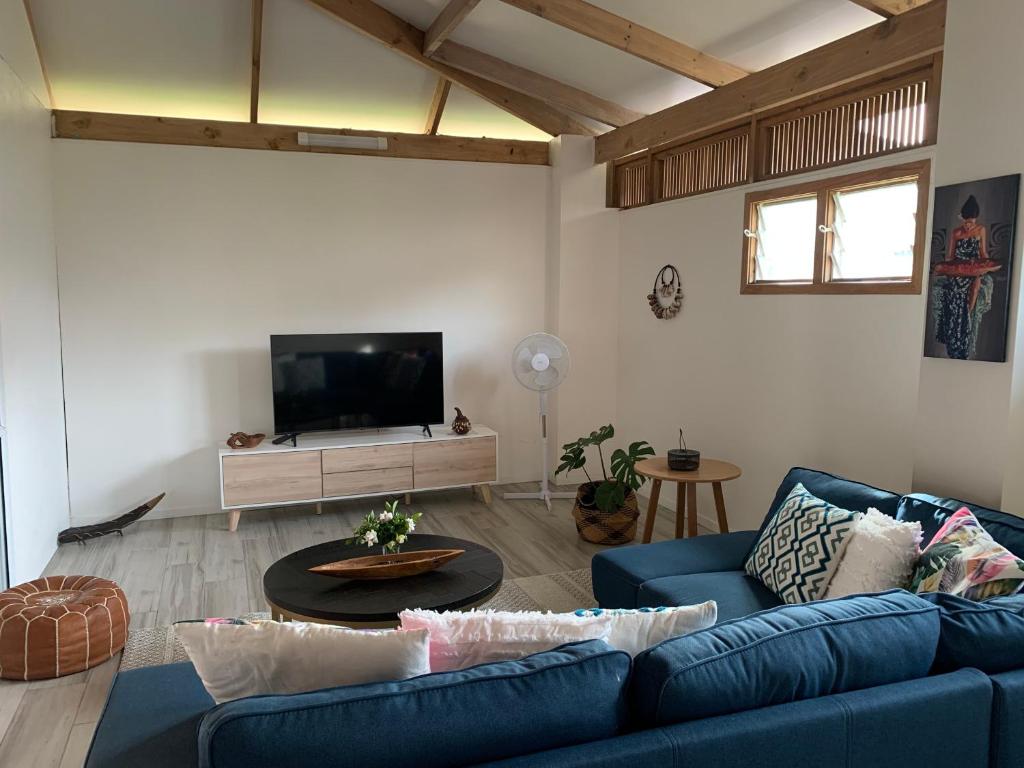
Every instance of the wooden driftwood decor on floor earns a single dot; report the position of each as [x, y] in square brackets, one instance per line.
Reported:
[83, 533]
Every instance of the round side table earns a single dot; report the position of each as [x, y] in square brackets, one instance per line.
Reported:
[710, 471]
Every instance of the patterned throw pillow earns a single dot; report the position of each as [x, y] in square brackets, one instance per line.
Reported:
[963, 559]
[799, 550]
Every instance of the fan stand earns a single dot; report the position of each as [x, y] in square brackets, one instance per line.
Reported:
[544, 494]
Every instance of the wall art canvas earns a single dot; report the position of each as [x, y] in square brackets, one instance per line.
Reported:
[972, 251]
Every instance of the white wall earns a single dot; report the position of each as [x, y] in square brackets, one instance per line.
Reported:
[30, 374]
[767, 382]
[583, 289]
[176, 263]
[970, 427]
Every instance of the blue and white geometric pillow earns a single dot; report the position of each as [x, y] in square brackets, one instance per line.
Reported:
[799, 550]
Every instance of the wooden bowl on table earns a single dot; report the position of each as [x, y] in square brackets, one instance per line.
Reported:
[396, 566]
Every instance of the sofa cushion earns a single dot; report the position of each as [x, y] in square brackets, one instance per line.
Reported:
[619, 573]
[151, 719]
[842, 493]
[571, 695]
[933, 511]
[1007, 735]
[800, 548]
[988, 636]
[736, 594]
[786, 654]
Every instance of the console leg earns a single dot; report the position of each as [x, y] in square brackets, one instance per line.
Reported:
[408, 499]
[485, 493]
[319, 508]
[233, 515]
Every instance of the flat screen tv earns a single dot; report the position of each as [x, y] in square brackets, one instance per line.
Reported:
[336, 381]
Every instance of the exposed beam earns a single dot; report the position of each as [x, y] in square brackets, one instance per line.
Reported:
[39, 52]
[437, 106]
[257, 45]
[100, 126]
[447, 20]
[889, 8]
[605, 27]
[534, 84]
[388, 29]
[911, 36]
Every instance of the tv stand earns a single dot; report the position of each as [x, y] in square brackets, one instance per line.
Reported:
[391, 462]
[288, 436]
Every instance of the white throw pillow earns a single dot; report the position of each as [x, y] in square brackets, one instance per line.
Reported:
[459, 640]
[269, 657]
[881, 555]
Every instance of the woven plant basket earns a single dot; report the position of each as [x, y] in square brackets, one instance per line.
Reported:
[610, 528]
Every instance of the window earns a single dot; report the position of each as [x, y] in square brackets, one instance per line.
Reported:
[862, 233]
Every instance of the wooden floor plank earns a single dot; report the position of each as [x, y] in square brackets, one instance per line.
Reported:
[41, 727]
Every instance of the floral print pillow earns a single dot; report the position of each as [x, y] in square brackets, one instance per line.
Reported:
[963, 559]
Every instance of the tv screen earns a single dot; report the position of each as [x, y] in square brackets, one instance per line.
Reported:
[356, 380]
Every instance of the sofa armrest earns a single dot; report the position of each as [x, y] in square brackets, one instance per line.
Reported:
[619, 573]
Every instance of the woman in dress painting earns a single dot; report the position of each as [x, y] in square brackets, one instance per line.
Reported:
[965, 277]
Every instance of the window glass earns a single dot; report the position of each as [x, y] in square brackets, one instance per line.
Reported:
[786, 232]
[873, 232]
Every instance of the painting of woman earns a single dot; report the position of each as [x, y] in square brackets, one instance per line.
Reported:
[966, 268]
[969, 297]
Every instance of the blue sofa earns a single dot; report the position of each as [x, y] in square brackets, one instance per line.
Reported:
[871, 680]
[711, 568]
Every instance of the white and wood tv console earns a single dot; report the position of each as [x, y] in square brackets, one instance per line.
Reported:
[341, 466]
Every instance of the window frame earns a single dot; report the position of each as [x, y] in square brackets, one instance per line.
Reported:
[821, 282]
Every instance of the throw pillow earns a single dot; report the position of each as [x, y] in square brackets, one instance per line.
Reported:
[881, 555]
[799, 549]
[963, 559]
[268, 657]
[464, 639]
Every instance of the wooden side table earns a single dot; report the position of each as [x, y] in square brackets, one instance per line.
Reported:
[710, 471]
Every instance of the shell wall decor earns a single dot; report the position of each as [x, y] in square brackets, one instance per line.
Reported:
[668, 287]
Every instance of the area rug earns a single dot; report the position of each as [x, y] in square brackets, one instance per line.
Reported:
[557, 592]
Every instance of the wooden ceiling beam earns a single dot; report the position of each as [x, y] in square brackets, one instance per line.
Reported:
[535, 84]
[257, 46]
[99, 126]
[447, 20]
[605, 27]
[437, 106]
[388, 29]
[889, 8]
[910, 36]
[39, 52]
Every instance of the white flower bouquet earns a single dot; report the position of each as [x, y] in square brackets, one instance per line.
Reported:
[388, 529]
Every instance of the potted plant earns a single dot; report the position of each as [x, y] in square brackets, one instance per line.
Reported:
[606, 511]
[388, 530]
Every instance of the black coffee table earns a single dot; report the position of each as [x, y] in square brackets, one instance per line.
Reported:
[295, 593]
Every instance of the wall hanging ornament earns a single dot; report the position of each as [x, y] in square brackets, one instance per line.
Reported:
[666, 298]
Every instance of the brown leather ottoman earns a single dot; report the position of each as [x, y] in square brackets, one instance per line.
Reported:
[59, 625]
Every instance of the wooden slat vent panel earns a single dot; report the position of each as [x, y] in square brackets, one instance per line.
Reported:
[890, 121]
[632, 184]
[704, 167]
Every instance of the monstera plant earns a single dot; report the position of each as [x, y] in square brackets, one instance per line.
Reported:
[606, 510]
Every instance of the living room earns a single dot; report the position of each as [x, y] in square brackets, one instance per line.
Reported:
[567, 216]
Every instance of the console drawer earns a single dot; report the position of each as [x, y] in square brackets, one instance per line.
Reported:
[368, 481]
[367, 457]
[263, 478]
[455, 462]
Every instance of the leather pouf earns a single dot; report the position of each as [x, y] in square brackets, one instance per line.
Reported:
[59, 625]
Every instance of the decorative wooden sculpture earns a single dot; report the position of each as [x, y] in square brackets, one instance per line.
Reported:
[245, 440]
[394, 566]
[668, 286]
[83, 533]
[461, 425]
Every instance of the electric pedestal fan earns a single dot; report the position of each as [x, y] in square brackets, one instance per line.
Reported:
[541, 362]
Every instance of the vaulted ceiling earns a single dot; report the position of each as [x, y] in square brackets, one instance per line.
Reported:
[192, 58]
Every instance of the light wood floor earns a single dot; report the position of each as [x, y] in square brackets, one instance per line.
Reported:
[192, 567]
